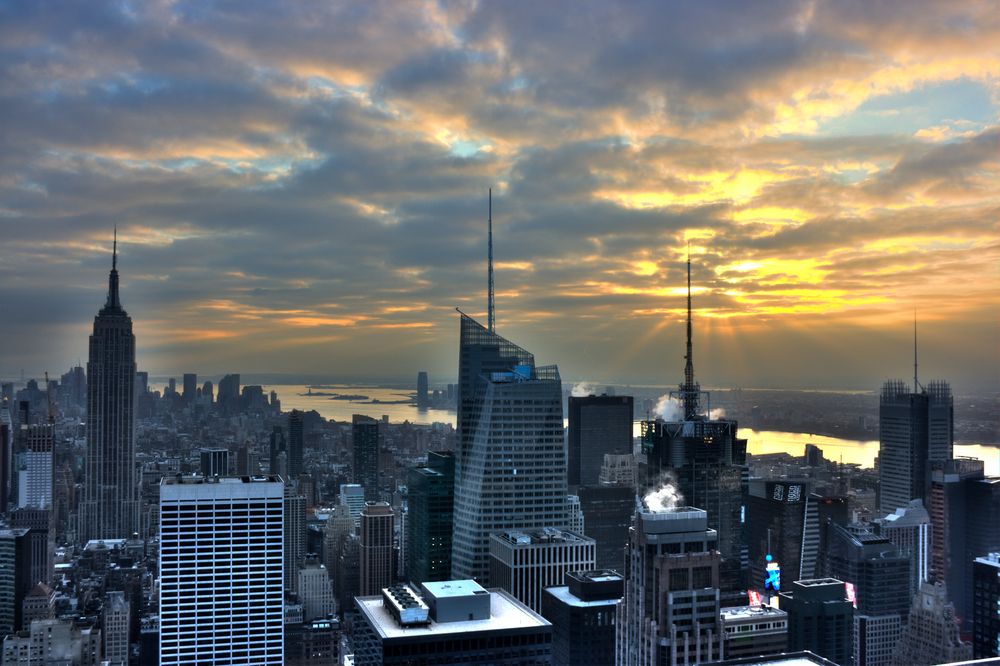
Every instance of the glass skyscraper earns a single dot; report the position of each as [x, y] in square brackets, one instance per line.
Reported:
[510, 470]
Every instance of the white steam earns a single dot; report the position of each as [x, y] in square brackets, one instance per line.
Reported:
[583, 389]
[668, 496]
[669, 408]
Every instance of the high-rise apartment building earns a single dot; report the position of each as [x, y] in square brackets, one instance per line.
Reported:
[598, 425]
[35, 476]
[670, 614]
[526, 562]
[6, 455]
[221, 582]
[915, 429]
[110, 506]
[510, 467]
[376, 547]
[430, 502]
[367, 442]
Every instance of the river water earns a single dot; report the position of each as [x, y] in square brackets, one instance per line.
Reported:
[397, 404]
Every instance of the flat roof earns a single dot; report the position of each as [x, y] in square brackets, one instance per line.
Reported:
[198, 479]
[745, 612]
[564, 595]
[453, 588]
[540, 537]
[505, 613]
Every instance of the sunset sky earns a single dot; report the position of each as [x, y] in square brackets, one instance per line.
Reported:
[302, 187]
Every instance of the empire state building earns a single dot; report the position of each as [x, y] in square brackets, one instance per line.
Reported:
[110, 507]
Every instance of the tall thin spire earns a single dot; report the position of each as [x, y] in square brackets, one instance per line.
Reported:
[490, 305]
[916, 384]
[113, 299]
[690, 391]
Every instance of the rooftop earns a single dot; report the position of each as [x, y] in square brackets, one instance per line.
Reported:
[454, 588]
[505, 613]
[747, 612]
[564, 595]
[198, 479]
[544, 535]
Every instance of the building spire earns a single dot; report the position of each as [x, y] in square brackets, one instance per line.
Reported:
[916, 384]
[113, 300]
[490, 305]
[690, 391]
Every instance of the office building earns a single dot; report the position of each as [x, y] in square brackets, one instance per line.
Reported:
[752, 631]
[296, 444]
[278, 452]
[38, 604]
[313, 643]
[221, 553]
[607, 515]
[352, 497]
[910, 529]
[376, 547]
[776, 526]
[706, 459]
[964, 504]
[800, 658]
[423, 400]
[526, 562]
[40, 539]
[915, 428]
[931, 635]
[880, 577]
[228, 398]
[367, 443]
[986, 606]
[449, 622]
[430, 502]
[510, 466]
[190, 388]
[294, 537]
[214, 462]
[670, 614]
[583, 614]
[347, 576]
[110, 506]
[598, 425]
[820, 618]
[115, 629]
[618, 471]
[315, 590]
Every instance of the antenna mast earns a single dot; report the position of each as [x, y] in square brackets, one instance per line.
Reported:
[689, 390]
[490, 305]
[916, 384]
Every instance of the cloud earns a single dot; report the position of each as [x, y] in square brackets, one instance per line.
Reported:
[303, 188]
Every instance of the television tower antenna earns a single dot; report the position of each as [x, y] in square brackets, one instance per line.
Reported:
[916, 384]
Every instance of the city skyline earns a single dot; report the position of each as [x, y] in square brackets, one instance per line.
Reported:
[318, 203]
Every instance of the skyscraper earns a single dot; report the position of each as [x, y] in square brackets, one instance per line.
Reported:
[526, 562]
[214, 462]
[910, 529]
[931, 635]
[598, 425]
[190, 390]
[707, 461]
[221, 597]
[915, 428]
[510, 470]
[295, 536]
[422, 399]
[377, 527]
[6, 455]
[986, 606]
[365, 431]
[670, 612]
[110, 506]
[881, 579]
[34, 485]
[582, 613]
[431, 501]
[296, 442]
[820, 618]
